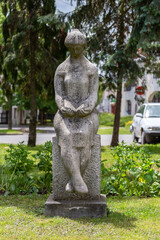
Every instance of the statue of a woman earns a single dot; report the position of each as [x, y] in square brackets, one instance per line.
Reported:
[76, 88]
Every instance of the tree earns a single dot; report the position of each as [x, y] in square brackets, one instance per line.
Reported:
[8, 70]
[6, 83]
[36, 37]
[146, 32]
[110, 23]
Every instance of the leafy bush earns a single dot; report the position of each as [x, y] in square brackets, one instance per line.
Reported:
[107, 119]
[44, 158]
[22, 175]
[17, 173]
[134, 173]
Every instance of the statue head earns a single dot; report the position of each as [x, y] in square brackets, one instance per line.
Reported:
[75, 37]
[75, 42]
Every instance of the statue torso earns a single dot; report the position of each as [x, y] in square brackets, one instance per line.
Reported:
[76, 81]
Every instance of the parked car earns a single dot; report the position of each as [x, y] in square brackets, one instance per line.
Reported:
[146, 123]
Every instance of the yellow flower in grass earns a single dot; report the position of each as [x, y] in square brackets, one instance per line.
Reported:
[128, 123]
[141, 180]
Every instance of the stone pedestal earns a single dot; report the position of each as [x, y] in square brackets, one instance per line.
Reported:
[76, 208]
[73, 205]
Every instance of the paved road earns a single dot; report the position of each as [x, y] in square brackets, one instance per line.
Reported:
[43, 137]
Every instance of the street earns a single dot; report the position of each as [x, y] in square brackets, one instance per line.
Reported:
[43, 137]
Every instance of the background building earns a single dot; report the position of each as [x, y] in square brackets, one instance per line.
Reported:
[19, 117]
[130, 100]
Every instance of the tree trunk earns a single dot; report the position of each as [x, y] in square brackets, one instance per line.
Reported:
[33, 116]
[41, 116]
[115, 136]
[9, 111]
[120, 42]
[33, 108]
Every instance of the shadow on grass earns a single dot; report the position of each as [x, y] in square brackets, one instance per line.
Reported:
[31, 204]
[153, 149]
[119, 220]
[34, 205]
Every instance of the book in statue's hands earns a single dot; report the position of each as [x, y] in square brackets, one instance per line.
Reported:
[68, 104]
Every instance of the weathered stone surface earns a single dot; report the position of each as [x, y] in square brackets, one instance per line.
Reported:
[76, 209]
[76, 147]
[92, 176]
[76, 123]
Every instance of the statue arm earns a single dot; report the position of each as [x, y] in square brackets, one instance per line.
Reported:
[60, 95]
[90, 103]
[93, 90]
[59, 89]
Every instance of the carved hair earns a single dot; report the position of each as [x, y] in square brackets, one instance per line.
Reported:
[75, 37]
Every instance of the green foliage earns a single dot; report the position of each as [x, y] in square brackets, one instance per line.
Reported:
[2, 98]
[133, 174]
[130, 172]
[110, 23]
[1, 21]
[21, 175]
[145, 34]
[44, 158]
[33, 46]
[18, 176]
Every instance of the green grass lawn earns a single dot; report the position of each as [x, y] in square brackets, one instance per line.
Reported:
[109, 130]
[107, 119]
[6, 131]
[10, 132]
[22, 217]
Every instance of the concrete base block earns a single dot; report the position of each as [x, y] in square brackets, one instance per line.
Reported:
[76, 208]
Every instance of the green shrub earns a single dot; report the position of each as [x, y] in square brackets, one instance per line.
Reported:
[133, 174]
[17, 176]
[44, 159]
[21, 175]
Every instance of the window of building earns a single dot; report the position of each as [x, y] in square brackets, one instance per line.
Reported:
[128, 107]
[15, 113]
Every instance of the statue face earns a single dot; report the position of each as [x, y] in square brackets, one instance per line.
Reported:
[76, 50]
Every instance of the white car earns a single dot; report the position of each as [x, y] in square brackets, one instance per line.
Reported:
[146, 123]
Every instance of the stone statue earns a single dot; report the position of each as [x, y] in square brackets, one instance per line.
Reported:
[76, 123]
[76, 146]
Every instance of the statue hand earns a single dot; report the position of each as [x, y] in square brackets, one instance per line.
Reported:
[67, 111]
[84, 111]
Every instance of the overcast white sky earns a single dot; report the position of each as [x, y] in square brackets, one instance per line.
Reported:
[65, 6]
